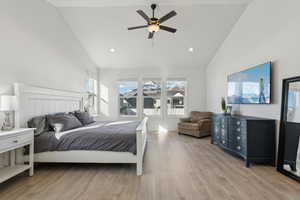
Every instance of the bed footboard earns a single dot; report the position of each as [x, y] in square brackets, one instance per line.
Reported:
[141, 140]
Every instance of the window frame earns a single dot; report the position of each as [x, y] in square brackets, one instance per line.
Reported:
[163, 98]
[91, 87]
[152, 96]
[136, 97]
[185, 98]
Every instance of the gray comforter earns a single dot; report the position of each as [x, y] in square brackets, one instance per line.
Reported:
[107, 136]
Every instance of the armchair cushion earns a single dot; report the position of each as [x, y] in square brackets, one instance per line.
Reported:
[188, 119]
[190, 126]
[203, 121]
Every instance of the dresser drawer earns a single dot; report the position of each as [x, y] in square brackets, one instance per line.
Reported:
[14, 141]
[223, 142]
[239, 140]
[238, 123]
[223, 133]
[238, 145]
[223, 123]
[216, 133]
[239, 148]
[240, 131]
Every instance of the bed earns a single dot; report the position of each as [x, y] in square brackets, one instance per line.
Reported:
[36, 101]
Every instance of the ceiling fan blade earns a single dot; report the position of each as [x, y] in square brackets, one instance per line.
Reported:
[137, 27]
[144, 15]
[151, 34]
[167, 16]
[169, 29]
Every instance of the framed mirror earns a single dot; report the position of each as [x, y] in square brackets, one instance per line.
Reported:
[289, 137]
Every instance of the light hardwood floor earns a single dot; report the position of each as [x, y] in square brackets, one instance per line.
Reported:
[176, 167]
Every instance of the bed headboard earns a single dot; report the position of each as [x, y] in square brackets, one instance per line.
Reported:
[34, 101]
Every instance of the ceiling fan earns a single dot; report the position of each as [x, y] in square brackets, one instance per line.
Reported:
[154, 24]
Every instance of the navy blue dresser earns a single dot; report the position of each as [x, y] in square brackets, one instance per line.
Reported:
[250, 138]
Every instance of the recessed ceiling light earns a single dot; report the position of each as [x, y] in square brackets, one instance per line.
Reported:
[112, 50]
[191, 49]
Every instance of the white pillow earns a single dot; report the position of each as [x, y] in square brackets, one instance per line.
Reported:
[58, 127]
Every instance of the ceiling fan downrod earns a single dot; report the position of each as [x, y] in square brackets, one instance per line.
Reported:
[153, 6]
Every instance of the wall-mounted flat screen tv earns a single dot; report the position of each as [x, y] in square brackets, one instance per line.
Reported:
[251, 86]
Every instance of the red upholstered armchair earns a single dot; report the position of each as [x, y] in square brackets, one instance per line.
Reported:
[198, 124]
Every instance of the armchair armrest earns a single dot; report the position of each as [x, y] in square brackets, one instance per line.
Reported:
[187, 119]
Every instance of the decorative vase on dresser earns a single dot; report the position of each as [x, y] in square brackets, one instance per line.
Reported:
[250, 138]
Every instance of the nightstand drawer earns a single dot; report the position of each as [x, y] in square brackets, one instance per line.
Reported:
[15, 141]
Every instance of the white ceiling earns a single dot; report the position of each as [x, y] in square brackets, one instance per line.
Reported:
[202, 26]
[105, 3]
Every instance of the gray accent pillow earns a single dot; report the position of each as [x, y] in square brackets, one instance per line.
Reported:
[39, 123]
[84, 117]
[68, 121]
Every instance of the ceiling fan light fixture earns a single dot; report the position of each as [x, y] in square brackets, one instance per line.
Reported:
[153, 28]
[154, 24]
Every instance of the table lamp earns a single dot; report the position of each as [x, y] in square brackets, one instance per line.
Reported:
[8, 106]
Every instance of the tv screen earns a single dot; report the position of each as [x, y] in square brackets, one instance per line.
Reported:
[251, 86]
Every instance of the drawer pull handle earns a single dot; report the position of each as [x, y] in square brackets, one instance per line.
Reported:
[238, 130]
[15, 141]
[238, 147]
[223, 142]
[238, 123]
[238, 137]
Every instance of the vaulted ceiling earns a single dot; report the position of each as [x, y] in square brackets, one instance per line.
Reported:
[101, 25]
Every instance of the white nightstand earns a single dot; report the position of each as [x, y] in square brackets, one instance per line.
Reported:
[9, 142]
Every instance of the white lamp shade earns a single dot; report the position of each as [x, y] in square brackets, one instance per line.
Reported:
[8, 103]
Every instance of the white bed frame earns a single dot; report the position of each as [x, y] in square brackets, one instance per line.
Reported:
[34, 101]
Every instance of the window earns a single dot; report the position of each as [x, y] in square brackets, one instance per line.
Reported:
[91, 85]
[152, 97]
[92, 90]
[128, 91]
[176, 96]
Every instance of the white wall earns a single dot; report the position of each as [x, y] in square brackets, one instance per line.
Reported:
[109, 90]
[38, 48]
[267, 31]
